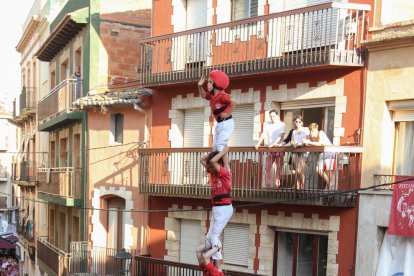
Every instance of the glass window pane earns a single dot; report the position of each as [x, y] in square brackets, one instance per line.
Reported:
[305, 255]
[404, 164]
[322, 255]
[285, 254]
[329, 124]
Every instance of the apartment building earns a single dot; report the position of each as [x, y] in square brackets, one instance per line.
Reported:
[297, 57]
[388, 132]
[94, 40]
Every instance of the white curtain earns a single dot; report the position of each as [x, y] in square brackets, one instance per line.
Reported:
[396, 256]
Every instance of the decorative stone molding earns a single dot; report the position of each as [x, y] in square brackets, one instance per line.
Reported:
[98, 236]
[173, 229]
[269, 223]
[303, 91]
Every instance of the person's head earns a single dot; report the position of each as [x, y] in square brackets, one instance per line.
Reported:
[77, 69]
[218, 80]
[274, 116]
[210, 167]
[313, 129]
[297, 122]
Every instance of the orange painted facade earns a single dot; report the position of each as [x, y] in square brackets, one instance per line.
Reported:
[353, 79]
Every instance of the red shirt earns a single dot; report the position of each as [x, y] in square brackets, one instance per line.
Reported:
[219, 103]
[210, 270]
[221, 185]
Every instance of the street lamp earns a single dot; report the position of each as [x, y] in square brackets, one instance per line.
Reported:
[123, 261]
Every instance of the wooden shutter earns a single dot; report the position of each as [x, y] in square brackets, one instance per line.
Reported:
[242, 136]
[189, 241]
[236, 244]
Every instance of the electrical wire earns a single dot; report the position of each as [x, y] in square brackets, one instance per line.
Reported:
[330, 194]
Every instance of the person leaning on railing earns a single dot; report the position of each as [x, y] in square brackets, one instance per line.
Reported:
[299, 135]
[326, 162]
[273, 131]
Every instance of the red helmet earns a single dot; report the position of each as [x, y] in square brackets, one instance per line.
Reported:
[219, 78]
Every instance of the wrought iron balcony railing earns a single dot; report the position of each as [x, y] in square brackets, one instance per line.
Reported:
[27, 99]
[63, 181]
[151, 266]
[386, 180]
[26, 170]
[86, 259]
[51, 256]
[26, 229]
[310, 175]
[59, 100]
[327, 34]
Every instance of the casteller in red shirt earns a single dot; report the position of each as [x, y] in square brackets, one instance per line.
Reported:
[221, 187]
[210, 270]
[219, 103]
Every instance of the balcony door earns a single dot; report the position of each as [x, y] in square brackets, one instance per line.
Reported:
[300, 254]
[115, 225]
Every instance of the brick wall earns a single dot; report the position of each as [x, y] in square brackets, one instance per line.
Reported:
[121, 34]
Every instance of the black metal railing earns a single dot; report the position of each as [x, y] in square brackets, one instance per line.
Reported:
[27, 99]
[59, 99]
[92, 260]
[326, 34]
[310, 175]
[54, 258]
[150, 266]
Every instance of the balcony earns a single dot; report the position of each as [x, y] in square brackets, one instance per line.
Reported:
[178, 173]
[51, 258]
[26, 229]
[24, 173]
[322, 36]
[56, 108]
[91, 260]
[150, 266]
[60, 185]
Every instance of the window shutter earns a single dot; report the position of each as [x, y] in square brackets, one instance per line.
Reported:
[322, 102]
[189, 241]
[193, 128]
[242, 136]
[236, 244]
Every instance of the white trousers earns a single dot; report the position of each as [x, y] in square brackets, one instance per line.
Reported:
[220, 217]
[222, 134]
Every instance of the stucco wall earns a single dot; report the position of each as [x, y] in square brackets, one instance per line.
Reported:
[373, 219]
[390, 77]
[113, 171]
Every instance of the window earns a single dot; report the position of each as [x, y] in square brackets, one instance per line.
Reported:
[244, 9]
[323, 116]
[300, 254]
[403, 117]
[117, 128]
[236, 244]
[404, 151]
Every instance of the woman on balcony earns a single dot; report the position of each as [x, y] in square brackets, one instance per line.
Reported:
[326, 162]
[220, 179]
[299, 135]
[77, 76]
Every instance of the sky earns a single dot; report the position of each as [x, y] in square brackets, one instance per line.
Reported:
[12, 18]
